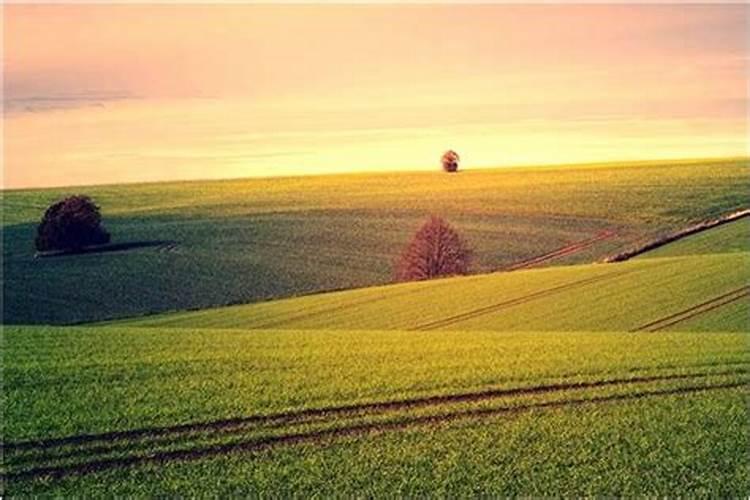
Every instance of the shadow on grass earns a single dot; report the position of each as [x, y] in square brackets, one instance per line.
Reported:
[161, 245]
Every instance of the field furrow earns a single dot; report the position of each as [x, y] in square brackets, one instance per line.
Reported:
[562, 252]
[444, 322]
[696, 310]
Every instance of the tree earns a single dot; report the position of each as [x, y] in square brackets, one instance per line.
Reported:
[436, 250]
[450, 161]
[71, 224]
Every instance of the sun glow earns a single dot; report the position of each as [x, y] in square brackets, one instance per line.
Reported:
[139, 93]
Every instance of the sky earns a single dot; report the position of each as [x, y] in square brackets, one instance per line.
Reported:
[98, 94]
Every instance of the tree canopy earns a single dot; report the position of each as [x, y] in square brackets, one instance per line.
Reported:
[71, 224]
[436, 250]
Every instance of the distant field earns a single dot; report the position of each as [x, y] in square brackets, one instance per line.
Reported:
[243, 241]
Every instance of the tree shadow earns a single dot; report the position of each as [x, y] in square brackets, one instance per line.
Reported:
[166, 245]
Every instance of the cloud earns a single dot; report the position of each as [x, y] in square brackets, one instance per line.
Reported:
[39, 103]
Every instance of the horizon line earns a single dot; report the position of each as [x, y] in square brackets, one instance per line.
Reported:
[588, 164]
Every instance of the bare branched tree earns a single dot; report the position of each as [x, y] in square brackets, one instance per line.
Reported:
[436, 250]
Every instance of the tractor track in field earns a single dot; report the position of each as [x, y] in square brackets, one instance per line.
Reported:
[320, 437]
[696, 310]
[567, 250]
[342, 307]
[168, 435]
[352, 408]
[146, 456]
[563, 251]
[481, 311]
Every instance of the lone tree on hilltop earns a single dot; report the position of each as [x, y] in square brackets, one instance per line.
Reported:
[436, 250]
[450, 161]
[71, 224]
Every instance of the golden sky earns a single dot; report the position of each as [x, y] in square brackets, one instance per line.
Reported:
[119, 93]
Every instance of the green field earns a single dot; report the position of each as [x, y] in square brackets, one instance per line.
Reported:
[628, 378]
[239, 241]
[727, 238]
[102, 408]
[573, 450]
[591, 297]
[63, 382]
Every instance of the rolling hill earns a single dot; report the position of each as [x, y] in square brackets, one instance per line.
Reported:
[206, 244]
[727, 238]
[641, 294]
[585, 379]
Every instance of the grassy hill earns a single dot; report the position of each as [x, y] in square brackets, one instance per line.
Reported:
[148, 411]
[643, 294]
[411, 389]
[728, 238]
[223, 242]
